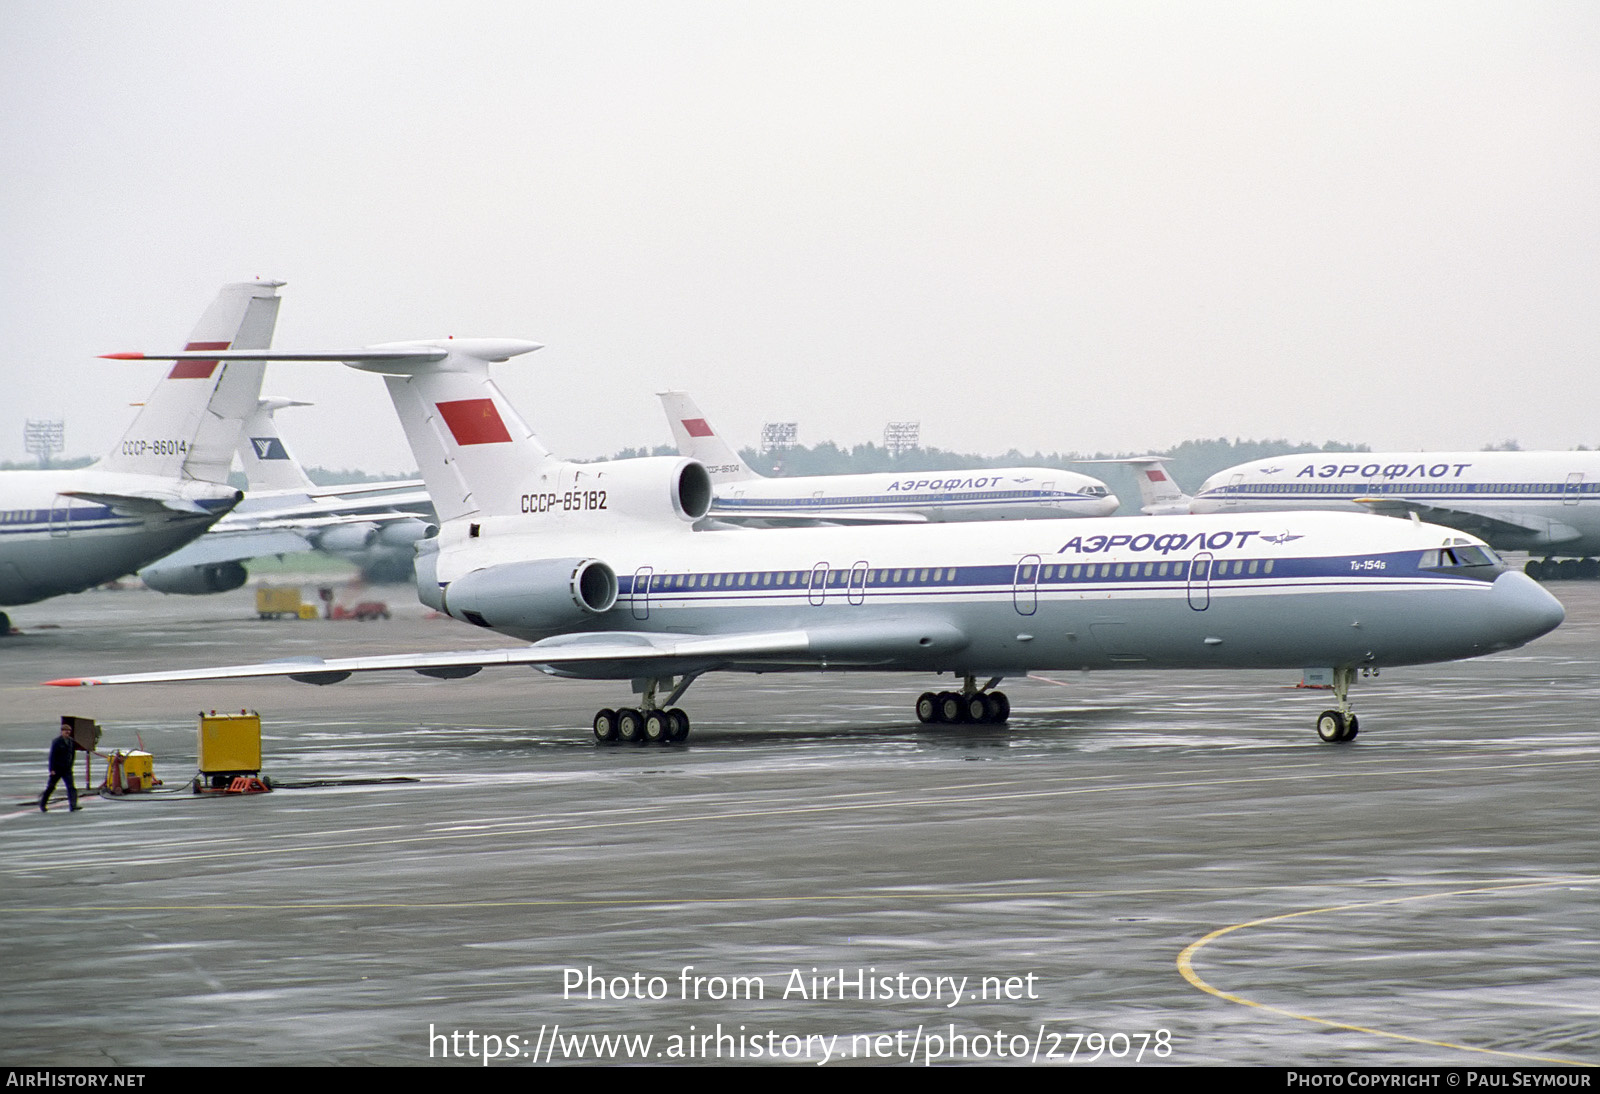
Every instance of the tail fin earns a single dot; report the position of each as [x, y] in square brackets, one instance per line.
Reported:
[478, 457]
[697, 440]
[1158, 493]
[475, 452]
[189, 426]
[267, 463]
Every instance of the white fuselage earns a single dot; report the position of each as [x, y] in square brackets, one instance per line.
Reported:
[1314, 589]
[1000, 493]
[1544, 502]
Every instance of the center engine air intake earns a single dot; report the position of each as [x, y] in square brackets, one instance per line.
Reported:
[694, 490]
[543, 595]
[650, 488]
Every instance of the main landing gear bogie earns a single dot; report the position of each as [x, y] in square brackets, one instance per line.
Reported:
[630, 726]
[963, 708]
[655, 721]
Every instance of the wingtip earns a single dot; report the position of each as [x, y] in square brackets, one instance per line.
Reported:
[71, 682]
[122, 356]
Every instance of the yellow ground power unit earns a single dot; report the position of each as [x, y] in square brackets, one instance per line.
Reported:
[280, 601]
[230, 744]
[131, 773]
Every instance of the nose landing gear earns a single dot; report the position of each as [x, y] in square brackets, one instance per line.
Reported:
[1338, 726]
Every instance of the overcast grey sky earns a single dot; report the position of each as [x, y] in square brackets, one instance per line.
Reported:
[1057, 226]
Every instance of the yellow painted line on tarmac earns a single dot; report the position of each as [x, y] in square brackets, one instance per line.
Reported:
[1186, 967]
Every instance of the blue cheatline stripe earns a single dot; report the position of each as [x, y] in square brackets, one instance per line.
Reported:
[1398, 567]
[1527, 491]
[83, 518]
[75, 529]
[900, 501]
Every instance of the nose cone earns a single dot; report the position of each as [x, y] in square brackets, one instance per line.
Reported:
[1523, 610]
[1108, 505]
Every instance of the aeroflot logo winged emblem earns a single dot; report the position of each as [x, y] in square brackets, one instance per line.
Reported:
[474, 421]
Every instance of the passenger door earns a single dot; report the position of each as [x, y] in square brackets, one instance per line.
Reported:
[1025, 585]
[1200, 581]
[641, 593]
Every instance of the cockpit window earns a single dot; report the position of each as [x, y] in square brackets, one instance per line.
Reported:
[1464, 560]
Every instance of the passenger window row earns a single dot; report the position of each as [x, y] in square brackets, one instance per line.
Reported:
[840, 577]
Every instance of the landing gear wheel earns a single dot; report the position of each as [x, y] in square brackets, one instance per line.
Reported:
[927, 707]
[5, 624]
[951, 708]
[630, 726]
[605, 726]
[657, 727]
[678, 724]
[1332, 727]
[977, 709]
[999, 707]
[1352, 727]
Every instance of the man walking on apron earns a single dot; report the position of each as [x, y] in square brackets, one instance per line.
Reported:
[62, 751]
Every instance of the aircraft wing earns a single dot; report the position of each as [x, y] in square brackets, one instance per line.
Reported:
[306, 519]
[1486, 521]
[138, 504]
[604, 655]
[234, 546]
[395, 492]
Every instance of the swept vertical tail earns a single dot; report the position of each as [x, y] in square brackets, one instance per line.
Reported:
[474, 450]
[265, 459]
[697, 440]
[190, 425]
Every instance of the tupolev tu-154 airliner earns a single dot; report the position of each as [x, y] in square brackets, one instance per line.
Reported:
[601, 568]
[985, 493]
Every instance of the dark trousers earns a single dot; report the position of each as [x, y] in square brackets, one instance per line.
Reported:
[72, 789]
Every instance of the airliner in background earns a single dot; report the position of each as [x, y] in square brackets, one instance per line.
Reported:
[986, 493]
[1546, 503]
[161, 486]
[373, 525]
[607, 570]
[1159, 494]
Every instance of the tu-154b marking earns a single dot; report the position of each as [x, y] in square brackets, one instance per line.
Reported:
[612, 580]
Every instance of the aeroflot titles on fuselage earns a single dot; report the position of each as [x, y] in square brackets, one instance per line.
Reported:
[1388, 471]
[946, 484]
[1166, 543]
